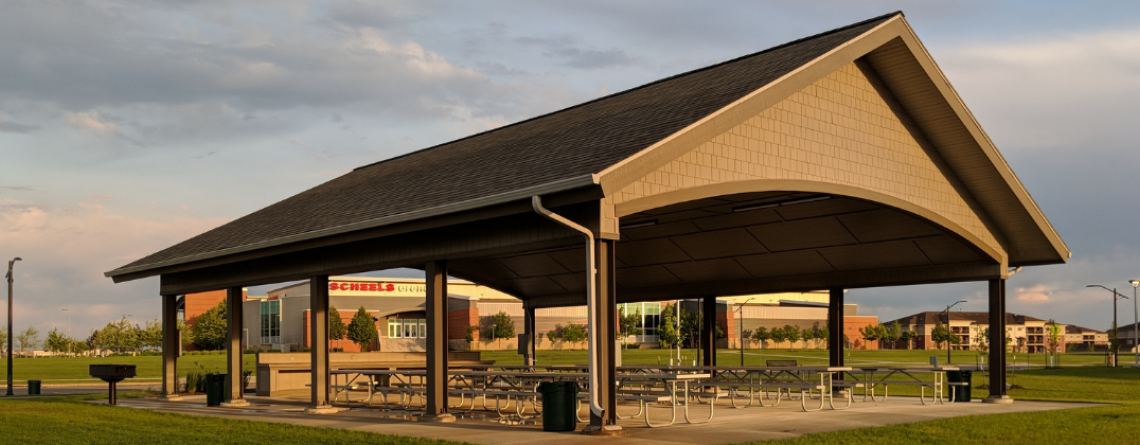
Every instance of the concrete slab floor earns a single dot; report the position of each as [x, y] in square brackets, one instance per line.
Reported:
[729, 425]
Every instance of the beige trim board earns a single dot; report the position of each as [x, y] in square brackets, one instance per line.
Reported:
[795, 185]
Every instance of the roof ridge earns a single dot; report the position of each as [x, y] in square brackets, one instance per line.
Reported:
[639, 87]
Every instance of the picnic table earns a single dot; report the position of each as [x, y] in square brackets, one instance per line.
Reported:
[867, 376]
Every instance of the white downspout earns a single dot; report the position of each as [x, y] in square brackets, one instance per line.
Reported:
[591, 273]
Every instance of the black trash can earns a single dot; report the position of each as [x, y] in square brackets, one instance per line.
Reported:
[215, 389]
[559, 400]
[34, 387]
[961, 392]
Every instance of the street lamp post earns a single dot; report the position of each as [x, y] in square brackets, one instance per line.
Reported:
[10, 333]
[1135, 324]
[948, 331]
[1115, 296]
[741, 339]
[68, 310]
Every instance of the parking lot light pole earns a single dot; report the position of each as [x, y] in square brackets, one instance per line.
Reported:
[68, 310]
[10, 334]
[1135, 324]
[741, 339]
[1115, 296]
[948, 331]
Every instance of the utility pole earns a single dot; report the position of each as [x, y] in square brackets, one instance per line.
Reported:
[741, 339]
[1135, 324]
[68, 310]
[10, 333]
[949, 331]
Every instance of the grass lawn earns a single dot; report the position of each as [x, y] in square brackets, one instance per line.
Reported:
[53, 420]
[75, 369]
[68, 420]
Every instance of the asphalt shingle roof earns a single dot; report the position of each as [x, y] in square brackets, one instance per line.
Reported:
[570, 143]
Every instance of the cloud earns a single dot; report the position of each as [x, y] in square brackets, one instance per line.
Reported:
[17, 188]
[92, 123]
[7, 126]
[67, 248]
[1035, 294]
[577, 56]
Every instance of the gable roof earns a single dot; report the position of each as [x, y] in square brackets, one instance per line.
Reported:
[569, 145]
[934, 317]
[591, 145]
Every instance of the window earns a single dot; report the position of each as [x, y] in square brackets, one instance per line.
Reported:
[271, 322]
[650, 315]
[407, 328]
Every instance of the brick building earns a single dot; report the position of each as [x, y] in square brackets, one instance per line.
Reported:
[1026, 334]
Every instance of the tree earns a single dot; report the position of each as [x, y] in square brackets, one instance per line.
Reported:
[761, 335]
[151, 335]
[892, 333]
[982, 341]
[809, 335]
[4, 342]
[792, 333]
[1020, 344]
[501, 327]
[362, 330]
[56, 342]
[823, 334]
[337, 329]
[940, 335]
[870, 332]
[690, 328]
[28, 339]
[210, 330]
[469, 335]
[907, 337]
[573, 333]
[778, 335]
[667, 332]
[1054, 336]
[630, 324]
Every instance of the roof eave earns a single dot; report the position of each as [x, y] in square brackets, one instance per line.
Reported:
[147, 270]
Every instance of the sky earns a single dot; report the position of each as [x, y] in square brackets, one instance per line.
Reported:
[129, 126]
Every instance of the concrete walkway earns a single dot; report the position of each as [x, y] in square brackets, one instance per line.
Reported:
[728, 426]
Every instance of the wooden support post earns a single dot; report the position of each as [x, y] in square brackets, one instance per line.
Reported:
[708, 331]
[235, 390]
[319, 341]
[436, 308]
[606, 333]
[835, 327]
[170, 347]
[531, 335]
[997, 343]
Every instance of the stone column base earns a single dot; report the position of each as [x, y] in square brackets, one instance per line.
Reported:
[994, 399]
[322, 409]
[238, 403]
[606, 430]
[436, 418]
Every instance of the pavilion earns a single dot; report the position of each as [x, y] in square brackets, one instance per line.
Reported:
[841, 160]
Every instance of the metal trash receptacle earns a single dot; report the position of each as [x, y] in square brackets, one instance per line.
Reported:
[961, 392]
[559, 400]
[34, 387]
[215, 389]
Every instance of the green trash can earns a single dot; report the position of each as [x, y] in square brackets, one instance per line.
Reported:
[34, 387]
[215, 389]
[961, 392]
[559, 400]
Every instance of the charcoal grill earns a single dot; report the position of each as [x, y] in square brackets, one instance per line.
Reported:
[112, 374]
